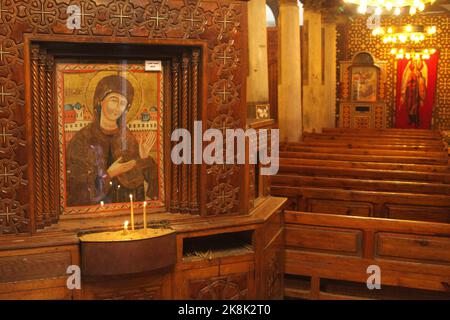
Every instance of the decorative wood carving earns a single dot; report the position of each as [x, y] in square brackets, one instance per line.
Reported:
[274, 275]
[221, 24]
[145, 293]
[231, 287]
[34, 266]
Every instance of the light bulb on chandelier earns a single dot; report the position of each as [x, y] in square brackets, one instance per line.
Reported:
[378, 6]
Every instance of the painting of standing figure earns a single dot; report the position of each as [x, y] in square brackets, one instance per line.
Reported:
[111, 130]
[416, 91]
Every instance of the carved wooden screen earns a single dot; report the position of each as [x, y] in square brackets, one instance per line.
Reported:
[220, 24]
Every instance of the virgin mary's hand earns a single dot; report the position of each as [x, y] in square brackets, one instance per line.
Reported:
[117, 168]
[146, 145]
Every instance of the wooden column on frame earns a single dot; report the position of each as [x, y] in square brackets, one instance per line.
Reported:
[175, 201]
[36, 134]
[194, 207]
[51, 142]
[44, 161]
[184, 203]
[44, 123]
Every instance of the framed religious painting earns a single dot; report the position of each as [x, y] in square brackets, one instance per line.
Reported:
[110, 125]
[364, 83]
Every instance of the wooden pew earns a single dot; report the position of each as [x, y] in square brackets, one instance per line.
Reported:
[385, 136]
[370, 139]
[391, 205]
[355, 173]
[365, 158]
[360, 184]
[365, 165]
[366, 198]
[327, 257]
[406, 133]
[362, 145]
[368, 151]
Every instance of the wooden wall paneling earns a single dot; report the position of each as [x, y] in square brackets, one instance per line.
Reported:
[226, 108]
[155, 286]
[269, 273]
[38, 273]
[273, 268]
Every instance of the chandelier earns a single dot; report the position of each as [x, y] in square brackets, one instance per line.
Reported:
[423, 54]
[388, 5]
[407, 33]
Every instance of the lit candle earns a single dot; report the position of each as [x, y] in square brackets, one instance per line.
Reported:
[125, 227]
[102, 204]
[145, 215]
[132, 213]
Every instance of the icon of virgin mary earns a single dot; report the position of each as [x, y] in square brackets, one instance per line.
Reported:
[104, 161]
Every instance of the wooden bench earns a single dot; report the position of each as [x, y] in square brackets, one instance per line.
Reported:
[356, 173]
[365, 158]
[367, 203]
[376, 152]
[362, 145]
[366, 198]
[364, 165]
[406, 133]
[361, 184]
[370, 135]
[370, 139]
[327, 257]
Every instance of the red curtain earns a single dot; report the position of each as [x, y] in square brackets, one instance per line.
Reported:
[416, 88]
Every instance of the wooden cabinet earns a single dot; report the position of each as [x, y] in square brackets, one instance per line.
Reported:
[362, 115]
[154, 286]
[234, 281]
[230, 258]
[36, 273]
[271, 267]
[217, 264]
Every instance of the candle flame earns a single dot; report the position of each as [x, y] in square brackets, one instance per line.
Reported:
[131, 196]
[145, 203]
[102, 203]
[125, 224]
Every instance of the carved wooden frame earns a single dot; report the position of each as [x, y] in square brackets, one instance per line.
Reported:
[184, 81]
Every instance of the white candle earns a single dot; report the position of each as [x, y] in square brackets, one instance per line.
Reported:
[132, 212]
[125, 227]
[145, 215]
